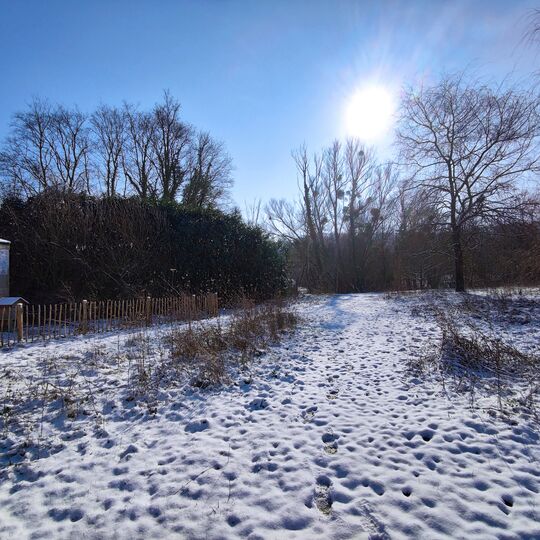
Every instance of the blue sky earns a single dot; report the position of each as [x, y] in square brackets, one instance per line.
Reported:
[263, 76]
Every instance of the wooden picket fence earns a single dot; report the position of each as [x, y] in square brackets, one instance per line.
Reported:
[29, 322]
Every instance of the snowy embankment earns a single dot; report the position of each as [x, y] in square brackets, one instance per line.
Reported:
[328, 437]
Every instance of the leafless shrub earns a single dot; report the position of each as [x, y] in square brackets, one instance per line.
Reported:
[478, 350]
[193, 342]
[141, 365]
[428, 360]
[478, 361]
[199, 350]
[207, 349]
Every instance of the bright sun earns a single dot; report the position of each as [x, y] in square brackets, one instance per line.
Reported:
[369, 113]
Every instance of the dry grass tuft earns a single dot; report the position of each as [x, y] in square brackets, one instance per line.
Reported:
[475, 349]
[479, 361]
[208, 348]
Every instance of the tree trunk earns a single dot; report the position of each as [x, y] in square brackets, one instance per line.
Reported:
[314, 239]
[459, 272]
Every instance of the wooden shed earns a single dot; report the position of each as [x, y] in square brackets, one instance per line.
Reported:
[8, 310]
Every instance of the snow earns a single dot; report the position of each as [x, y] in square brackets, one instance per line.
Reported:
[327, 436]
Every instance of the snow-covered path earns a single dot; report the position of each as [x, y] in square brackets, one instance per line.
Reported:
[330, 439]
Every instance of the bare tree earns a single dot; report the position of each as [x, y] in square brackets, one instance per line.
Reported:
[26, 159]
[335, 185]
[108, 126]
[171, 145]
[70, 148]
[313, 208]
[468, 146]
[286, 219]
[48, 148]
[302, 223]
[359, 164]
[209, 173]
[138, 152]
[252, 212]
[531, 34]
[152, 154]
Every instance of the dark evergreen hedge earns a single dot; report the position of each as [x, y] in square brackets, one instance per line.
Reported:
[68, 247]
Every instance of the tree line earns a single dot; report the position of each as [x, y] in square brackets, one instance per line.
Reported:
[459, 206]
[121, 201]
[115, 151]
[124, 202]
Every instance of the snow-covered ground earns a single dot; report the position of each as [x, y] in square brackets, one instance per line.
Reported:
[328, 437]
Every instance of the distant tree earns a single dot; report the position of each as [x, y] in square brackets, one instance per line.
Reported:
[468, 146]
[421, 258]
[359, 165]
[171, 146]
[123, 151]
[253, 212]
[313, 214]
[334, 183]
[26, 159]
[109, 135]
[209, 176]
[70, 148]
[345, 201]
[48, 147]
[138, 153]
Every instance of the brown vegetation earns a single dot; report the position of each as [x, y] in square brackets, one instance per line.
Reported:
[473, 357]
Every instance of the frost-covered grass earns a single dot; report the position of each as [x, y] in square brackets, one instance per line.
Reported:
[38, 396]
[327, 434]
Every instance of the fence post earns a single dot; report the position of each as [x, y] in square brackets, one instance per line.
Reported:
[84, 322]
[19, 319]
[148, 310]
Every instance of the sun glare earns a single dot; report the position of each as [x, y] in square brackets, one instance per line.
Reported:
[369, 113]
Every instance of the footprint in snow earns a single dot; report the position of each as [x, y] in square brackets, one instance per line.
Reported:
[330, 443]
[60, 515]
[126, 454]
[427, 434]
[194, 427]
[323, 495]
[257, 404]
[329, 437]
[308, 414]
[332, 394]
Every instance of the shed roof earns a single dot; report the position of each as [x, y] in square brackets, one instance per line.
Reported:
[12, 300]
[2, 241]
